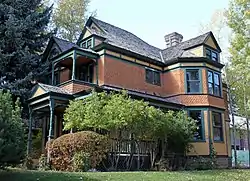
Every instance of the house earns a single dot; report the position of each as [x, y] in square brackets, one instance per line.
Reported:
[186, 75]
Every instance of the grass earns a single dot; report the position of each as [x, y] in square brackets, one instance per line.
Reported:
[218, 175]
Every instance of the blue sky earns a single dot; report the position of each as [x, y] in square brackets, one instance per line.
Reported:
[151, 20]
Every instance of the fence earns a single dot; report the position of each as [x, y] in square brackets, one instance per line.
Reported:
[242, 158]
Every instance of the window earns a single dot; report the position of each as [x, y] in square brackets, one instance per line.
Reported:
[57, 78]
[89, 44]
[214, 83]
[84, 44]
[197, 115]
[153, 77]
[213, 55]
[217, 126]
[193, 81]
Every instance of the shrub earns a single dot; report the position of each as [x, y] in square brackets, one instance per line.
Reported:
[81, 161]
[28, 163]
[43, 165]
[37, 145]
[12, 142]
[64, 148]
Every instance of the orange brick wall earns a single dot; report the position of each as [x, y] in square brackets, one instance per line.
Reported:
[173, 82]
[128, 75]
[64, 75]
[75, 87]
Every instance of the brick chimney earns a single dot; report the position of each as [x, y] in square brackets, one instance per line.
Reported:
[173, 39]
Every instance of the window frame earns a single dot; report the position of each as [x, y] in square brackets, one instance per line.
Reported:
[213, 83]
[200, 80]
[221, 127]
[202, 126]
[211, 52]
[154, 73]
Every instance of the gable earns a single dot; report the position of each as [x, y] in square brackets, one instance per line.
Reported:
[210, 42]
[86, 34]
[38, 91]
[54, 51]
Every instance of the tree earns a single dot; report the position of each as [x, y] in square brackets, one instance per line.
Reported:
[23, 35]
[238, 17]
[12, 142]
[117, 113]
[70, 17]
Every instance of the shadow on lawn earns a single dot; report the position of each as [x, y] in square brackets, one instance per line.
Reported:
[23, 175]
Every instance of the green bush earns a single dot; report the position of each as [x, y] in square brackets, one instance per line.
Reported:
[37, 145]
[12, 142]
[81, 161]
[64, 148]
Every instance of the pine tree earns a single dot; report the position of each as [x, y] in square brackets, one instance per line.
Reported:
[23, 35]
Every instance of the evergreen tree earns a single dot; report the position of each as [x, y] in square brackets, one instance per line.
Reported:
[23, 35]
[12, 142]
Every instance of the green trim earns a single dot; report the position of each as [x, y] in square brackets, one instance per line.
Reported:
[74, 65]
[200, 79]
[67, 55]
[209, 132]
[130, 62]
[202, 123]
[51, 120]
[183, 67]
[53, 74]
[220, 79]
[87, 54]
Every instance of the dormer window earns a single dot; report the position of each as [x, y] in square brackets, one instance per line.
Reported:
[212, 55]
[87, 44]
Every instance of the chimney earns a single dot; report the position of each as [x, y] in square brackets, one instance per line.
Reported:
[173, 39]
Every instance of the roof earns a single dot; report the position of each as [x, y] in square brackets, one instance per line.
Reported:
[172, 101]
[50, 88]
[64, 45]
[179, 49]
[123, 39]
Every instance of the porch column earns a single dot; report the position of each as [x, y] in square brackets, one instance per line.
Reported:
[51, 126]
[30, 131]
[51, 120]
[53, 74]
[74, 65]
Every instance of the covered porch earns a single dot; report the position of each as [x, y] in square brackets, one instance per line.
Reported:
[48, 103]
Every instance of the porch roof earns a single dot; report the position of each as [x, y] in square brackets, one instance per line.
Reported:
[153, 99]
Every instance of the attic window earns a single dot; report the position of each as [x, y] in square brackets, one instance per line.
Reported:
[212, 55]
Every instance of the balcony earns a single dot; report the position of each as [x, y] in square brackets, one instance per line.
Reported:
[75, 70]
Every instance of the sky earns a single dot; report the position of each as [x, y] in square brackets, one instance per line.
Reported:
[151, 20]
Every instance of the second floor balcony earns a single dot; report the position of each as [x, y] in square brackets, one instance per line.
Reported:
[74, 67]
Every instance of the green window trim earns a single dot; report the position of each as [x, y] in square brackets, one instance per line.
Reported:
[203, 139]
[221, 127]
[212, 82]
[89, 43]
[186, 81]
[212, 54]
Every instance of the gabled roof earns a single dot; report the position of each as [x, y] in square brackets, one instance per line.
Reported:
[123, 39]
[179, 49]
[64, 45]
[120, 38]
[50, 88]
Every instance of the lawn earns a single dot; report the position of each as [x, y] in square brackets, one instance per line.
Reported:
[220, 175]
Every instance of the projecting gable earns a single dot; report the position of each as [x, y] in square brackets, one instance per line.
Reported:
[211, 42]
[37, 92]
